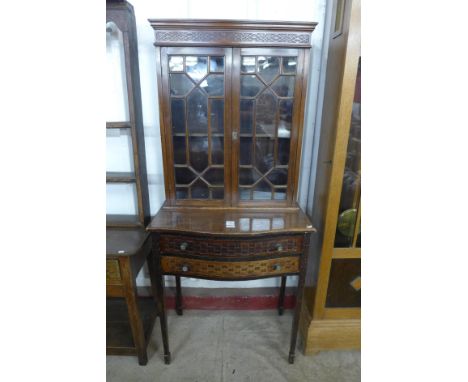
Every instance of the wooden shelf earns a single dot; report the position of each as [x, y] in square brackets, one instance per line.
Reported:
[119, 338]
[118, 125]
[120, 177]
[123, 221]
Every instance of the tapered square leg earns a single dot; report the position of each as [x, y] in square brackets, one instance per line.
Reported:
[281, 295]
[178, 300]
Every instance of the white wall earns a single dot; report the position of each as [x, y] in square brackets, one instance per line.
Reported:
[292, 10]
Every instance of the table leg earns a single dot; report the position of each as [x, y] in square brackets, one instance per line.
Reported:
[159, 288]
[135, 321]
[178, 301]
[281, 295]
[300, 291]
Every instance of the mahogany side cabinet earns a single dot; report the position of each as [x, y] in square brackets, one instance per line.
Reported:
[231, 106]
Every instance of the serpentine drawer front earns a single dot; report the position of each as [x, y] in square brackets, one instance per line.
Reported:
[225, 247]
[226, 270]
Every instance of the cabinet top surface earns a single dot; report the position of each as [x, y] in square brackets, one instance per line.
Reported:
[124, 241]
[230, 221]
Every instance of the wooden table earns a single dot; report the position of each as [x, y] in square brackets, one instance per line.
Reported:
[129, 321]
[229, 244]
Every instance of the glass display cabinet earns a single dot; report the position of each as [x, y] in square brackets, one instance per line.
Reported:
[333, 298]
[129, 319]
[231, 102]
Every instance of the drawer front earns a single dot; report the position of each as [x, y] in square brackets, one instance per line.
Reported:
[239, 247]
[229, 269]
[113, 276]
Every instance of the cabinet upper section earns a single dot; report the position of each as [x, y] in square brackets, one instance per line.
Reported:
[235, 33]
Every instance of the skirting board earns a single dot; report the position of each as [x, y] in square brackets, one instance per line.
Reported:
[333, 334]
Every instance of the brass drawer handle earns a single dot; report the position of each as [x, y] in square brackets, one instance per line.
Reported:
[184, 268]
[183, 246]
[277, 267]
[279, 247]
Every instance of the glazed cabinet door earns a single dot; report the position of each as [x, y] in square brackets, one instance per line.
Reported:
[267, 121]
[196, 86]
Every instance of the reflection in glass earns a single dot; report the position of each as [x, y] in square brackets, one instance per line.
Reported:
[176, 64]
[116, 84]
[250, 86]
[284, 86]
[244, 193]
[217, 150]
[283, 151]
[213, 84]
[216, 64]
[268, 67]
[196, 67]
[197, 117]
[182, 193]
[246, 116]
[264, 154]
[179, 150]
[262, 191]
[245, 151]
[178, 115]
[217, 116]
[217, 193]
[266, 113]
[199, 153]
[200, 190]
[180, 84]
[248, 64]
[280, 194]
[285, 118]
[289, 65]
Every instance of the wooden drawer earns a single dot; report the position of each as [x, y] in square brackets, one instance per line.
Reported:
[226, 270]
[113, 276]
[238, 247]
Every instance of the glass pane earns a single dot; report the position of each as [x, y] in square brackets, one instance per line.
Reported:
[245, 194]
[284, 86]
[245, 151]
[217, 193]
[268, 67]
[213, 84]
[351, 189]
[266, 114]
[216, 64]
[246, 116]
[179, 150]
[344, 286]
[121, 199]
[289, 65]
[217, 116]
[217, 150]
[176, 64]
[200, 190]
[280, 194]
[197, 116]
[285, 118]
[180, 84]
[248, 64]
[250, 86]
[183, 175]
[181, 193]
[278, 177]
[248, 176]
[119, 151]
[196, 67]
[262, 191]
[264, 154]
[199, 153]
[178, 115]
[283, 151]
[116, 84]
[214, 176]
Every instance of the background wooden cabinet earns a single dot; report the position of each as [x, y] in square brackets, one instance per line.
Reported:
[331, 315]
